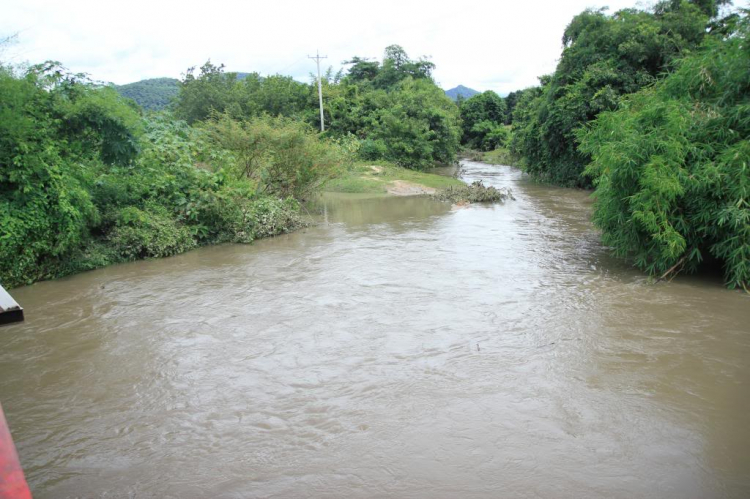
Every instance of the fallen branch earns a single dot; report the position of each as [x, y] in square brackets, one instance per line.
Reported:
[672, 269]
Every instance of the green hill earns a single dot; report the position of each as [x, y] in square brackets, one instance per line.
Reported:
[153, 94]
[156, 93]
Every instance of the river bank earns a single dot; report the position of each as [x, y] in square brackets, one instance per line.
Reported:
[146, 236]
[384, 179]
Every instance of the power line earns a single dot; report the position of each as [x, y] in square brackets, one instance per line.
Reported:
[280, 71]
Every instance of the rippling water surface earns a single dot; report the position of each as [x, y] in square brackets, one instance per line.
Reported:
[399, 349]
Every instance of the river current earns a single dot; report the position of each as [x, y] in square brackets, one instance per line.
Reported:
[400, 348]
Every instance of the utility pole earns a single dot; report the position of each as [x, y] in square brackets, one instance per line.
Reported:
[317, 58]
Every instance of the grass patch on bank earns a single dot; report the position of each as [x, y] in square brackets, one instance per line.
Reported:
[501, 156]
[368, 178]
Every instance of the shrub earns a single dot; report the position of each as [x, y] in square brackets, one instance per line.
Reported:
[148, 234]
[284, 157]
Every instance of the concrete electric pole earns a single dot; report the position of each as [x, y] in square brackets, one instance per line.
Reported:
[317, 58]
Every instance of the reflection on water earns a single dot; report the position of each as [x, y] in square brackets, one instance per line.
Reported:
[398, 349]
[356, 210]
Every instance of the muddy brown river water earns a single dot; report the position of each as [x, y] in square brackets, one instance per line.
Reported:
[399, 349]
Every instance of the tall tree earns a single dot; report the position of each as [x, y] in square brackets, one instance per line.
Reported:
[482, 116]
[604, 58]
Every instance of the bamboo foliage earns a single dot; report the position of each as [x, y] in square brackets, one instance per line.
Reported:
[671, 165]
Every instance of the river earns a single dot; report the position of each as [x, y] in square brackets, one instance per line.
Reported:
[401, 348]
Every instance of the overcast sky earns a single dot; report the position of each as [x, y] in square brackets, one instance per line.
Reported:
[486, 45]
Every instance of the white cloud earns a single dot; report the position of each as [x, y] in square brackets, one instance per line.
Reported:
[496, 45]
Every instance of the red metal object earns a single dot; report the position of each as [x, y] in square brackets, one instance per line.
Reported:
[12, 482]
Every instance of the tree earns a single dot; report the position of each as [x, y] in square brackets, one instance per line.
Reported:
[208, 92]
[395, 109]
[362, 69]
[417, 125]
[483, 115]
[397, 66]
[709, 7]
[510, 103]
[604, 58]
[277, 95]
[282, 156]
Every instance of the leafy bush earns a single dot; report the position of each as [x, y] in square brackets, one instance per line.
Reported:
[282, 156]
[148, 234]
[373, 150]
[271, 217]
[490, 136]
[45, 207]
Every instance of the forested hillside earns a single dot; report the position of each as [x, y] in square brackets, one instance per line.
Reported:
[154, 94]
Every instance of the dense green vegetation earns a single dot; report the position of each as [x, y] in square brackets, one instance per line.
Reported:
[212, 90]
[486, 129]
[651, 107]
[482, 122]
[156, 94]
[604, 58]
[648, 106]
[85, 181]
[672, 165]
[153, 94]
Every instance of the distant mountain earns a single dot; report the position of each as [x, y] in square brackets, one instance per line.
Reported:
[153, 94]
[464, 92]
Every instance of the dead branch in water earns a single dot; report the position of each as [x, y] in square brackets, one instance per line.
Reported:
[672, 269]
